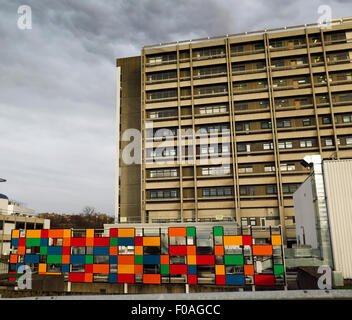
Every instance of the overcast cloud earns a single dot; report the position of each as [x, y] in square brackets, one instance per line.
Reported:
[57, 83]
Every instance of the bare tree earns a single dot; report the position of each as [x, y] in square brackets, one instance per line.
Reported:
[88, 211]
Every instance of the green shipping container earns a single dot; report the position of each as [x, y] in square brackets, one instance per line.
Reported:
[218, 231]
[33, 242]
[54, 259]
[164, 269]
[279, 270]
[234, 260]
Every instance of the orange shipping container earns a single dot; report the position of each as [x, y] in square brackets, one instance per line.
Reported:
[33, 233]
[53, 233]
[125, 233]
[233, 240]
[177, 232]
[125, 260]
[125, 268]
[151, 278]
[151, 241]
[262, 250]
[100, 268]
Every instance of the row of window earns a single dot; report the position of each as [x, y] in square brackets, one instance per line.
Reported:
[277, 44]
[225, 148]
[222, 170]
[281, 63]
[247, 86]
[224, 191]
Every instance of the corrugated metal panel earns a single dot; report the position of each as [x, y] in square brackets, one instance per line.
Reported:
[338, 184]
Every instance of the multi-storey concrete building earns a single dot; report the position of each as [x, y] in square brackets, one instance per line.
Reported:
[260, 100]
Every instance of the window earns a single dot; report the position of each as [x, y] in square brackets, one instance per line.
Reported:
[162, 114]
[259, 46]
[212, 90]
[215, 171]
[209, 52]
[211, 71]
[268, 146]
[244, 222]
[162, 76]
[345, 97]
[217, 192]
[287, 167]
[271, 189]
[338, 36]
[163, 194]
[253, 221]
[261, 84]
[289, 188]
[264, 104]
[236, 68]
[285, 145]
[240, 86]
[237, 49]
[163, 173]
[284, 123]
[280, 83]
[266, 125]
[241, 106]
[281, 103]
[213, 109]
[243, 147]
[278, 63]
[276, 44]
[306, 144]
[306, 122]
[269, 168]
[165, 94]
[328, 142]
[349, 141]
[245, 170]
[347, 118]
[260, 65]
[242, 126]
[326, 120]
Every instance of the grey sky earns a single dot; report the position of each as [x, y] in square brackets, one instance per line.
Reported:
[57, 83]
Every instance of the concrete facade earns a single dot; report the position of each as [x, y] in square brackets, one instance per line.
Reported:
[267, 94]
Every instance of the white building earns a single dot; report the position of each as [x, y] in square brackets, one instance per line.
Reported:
[323, 212]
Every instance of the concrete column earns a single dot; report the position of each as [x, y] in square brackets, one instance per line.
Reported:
[125, 288]
[187, 288]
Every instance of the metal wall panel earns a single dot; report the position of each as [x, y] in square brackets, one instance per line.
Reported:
[338, 184]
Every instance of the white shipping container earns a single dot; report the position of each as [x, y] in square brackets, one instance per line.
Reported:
[338, 187]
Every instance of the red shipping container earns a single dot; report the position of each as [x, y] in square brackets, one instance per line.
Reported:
[44, 233]
[89, 268]
[192, 279]
[102, 242]
[205, 260]
[220, 279]
[66, 251]
[78, 242]
[138, 241]
[114, 232]
[125, 278]
[178, 250]
[247, 240]
[178, 269]
[76, 277]
[264, 280]
[22, 242]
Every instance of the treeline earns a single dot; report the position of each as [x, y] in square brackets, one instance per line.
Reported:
[88, 219]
